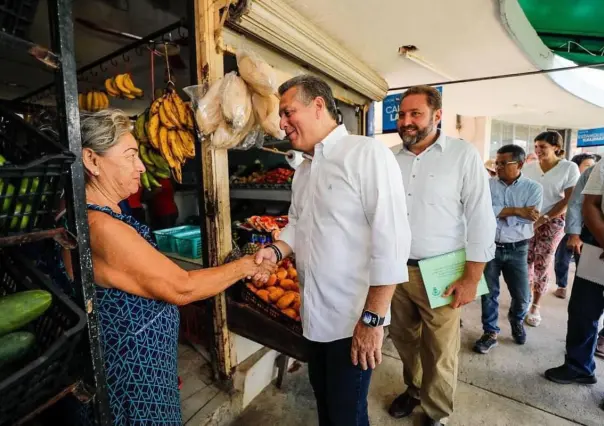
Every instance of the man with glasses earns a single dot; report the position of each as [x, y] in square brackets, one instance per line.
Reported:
[516, 204]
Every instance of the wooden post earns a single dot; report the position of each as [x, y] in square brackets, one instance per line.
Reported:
[214, 164]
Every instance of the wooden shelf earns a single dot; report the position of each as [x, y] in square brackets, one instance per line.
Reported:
[284, 195]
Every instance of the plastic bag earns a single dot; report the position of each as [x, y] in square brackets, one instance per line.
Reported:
[254, 138]
[206, 106]
[236, 101]
[227, 137]
[256, 72]
[222, 136]
[267, 114]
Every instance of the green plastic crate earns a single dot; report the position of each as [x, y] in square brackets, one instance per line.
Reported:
[165, 237]
[189, 245]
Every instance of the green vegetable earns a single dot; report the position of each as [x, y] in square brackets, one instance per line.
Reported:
[19, 309]
[23, 220]
[15, 345]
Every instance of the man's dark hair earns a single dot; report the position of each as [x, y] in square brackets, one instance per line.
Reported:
[309, 88]
[579, 158]
[435, 100]
[518, 154]
[598, 157]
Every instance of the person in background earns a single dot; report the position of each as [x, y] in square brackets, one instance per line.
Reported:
[491, 168]
[570, 245]
[450, 208]
[516, 203]
[163, 208]
[348, 228]
[136, 209]
[531, 158]
[587, 297]
[558, 178]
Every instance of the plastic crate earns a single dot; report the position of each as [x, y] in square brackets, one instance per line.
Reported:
[45, 373]
[165, 237]
[269, 310]
[31, 179]
[189, 244]
[16, 16]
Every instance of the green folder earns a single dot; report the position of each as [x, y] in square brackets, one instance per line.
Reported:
[440, 272]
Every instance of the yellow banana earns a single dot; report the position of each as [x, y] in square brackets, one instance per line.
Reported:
[129, 96]
[177, 173]
[153, 131]
[104, 100]
[163, 116]
[81, 101]
[188, 143]
[130, 85]
[190, 122]
[164, 147]
[119, 83]
[180, 107]
[110, 88]
[175, 146]
[154, 108]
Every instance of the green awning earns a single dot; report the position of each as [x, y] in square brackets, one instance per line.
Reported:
[573, 29]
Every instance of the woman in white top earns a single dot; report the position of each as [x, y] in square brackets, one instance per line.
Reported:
[558, 177]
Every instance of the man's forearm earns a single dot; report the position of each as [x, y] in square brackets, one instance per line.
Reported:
[473, 271]
[284, 248]
[379, 298]
[508, 211]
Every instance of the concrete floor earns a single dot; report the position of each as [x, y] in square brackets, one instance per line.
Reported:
[505, 387]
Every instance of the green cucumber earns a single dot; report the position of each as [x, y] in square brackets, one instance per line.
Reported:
[19, 309]
[15, 346]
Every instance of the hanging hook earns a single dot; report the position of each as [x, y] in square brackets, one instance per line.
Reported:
[138, 50]
[125, 57]
[102, 67]
[113, 62]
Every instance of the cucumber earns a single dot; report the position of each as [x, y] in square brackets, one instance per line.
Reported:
[15, 345]
[19, 309]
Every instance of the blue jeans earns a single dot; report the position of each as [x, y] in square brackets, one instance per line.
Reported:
[510, 260]
[340, 388]
[584, 311]
[562, 262]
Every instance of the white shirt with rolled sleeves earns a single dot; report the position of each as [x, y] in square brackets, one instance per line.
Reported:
[595, 184]
[449, 200]
[348, 229]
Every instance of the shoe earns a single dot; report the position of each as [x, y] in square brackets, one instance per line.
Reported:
[600, 347]
[429, 422]
[560, 293]
[403, 406]
[564, 375]
[533, 319]
[487, 342]
[518, 332]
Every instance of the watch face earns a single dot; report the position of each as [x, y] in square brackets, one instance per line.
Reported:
[370, 319]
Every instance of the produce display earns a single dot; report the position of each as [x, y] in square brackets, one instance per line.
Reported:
[166, 140]
[16, 311]
[278, 176]
[93, 101]
[237, 111]
[267, 223]
[122, 86]
[282, 290]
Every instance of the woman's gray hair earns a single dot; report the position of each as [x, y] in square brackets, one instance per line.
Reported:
[102, 129]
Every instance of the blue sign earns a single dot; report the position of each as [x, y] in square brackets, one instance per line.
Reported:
[590, 137]
[390, 107]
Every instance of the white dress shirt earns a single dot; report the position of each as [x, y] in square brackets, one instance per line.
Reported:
[595, 184]
[449, 200]
[563, 176]
[348, 228]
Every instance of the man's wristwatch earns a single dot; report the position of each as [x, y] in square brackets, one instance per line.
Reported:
[371, 319]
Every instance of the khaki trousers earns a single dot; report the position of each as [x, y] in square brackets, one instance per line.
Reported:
[428, 342]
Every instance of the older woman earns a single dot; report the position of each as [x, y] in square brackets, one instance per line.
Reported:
[137, 287]
[558, 178]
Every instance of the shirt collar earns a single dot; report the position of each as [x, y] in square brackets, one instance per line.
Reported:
[520, 178]
[441, 141]
[330, 141]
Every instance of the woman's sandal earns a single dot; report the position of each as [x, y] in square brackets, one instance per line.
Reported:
[533, 319]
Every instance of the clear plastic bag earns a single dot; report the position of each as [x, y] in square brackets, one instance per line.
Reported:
[226, 137]
[259, 75]
[266, 110]
[206, 106]
[254, 138]
[236, 101]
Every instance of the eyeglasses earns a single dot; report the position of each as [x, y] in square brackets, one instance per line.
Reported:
[504, 163]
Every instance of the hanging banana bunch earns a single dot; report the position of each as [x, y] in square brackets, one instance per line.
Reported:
[165, 134]
[93, 101]
[122, 86]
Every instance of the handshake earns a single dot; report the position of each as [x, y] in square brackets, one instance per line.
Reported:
[260, 266]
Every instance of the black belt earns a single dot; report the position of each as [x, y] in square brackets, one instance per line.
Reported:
[512, 245]
[413, 262]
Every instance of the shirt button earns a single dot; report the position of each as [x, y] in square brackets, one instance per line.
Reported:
[413, 176]
[409, 194]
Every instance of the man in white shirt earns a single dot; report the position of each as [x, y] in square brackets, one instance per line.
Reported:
[586, 303]
[348, 228]
[449, 205]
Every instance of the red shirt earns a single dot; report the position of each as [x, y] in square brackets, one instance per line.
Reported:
[163, 203]
[134, 201]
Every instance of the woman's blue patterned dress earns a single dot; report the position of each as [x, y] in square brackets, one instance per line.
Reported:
[139, 338]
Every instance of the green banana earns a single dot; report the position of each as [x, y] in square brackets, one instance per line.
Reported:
[158, 160]
[2, 160]
[162, 173]
[23, 219]
[145, 181]
[153, 181]
[139, 128]
[144, 154]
